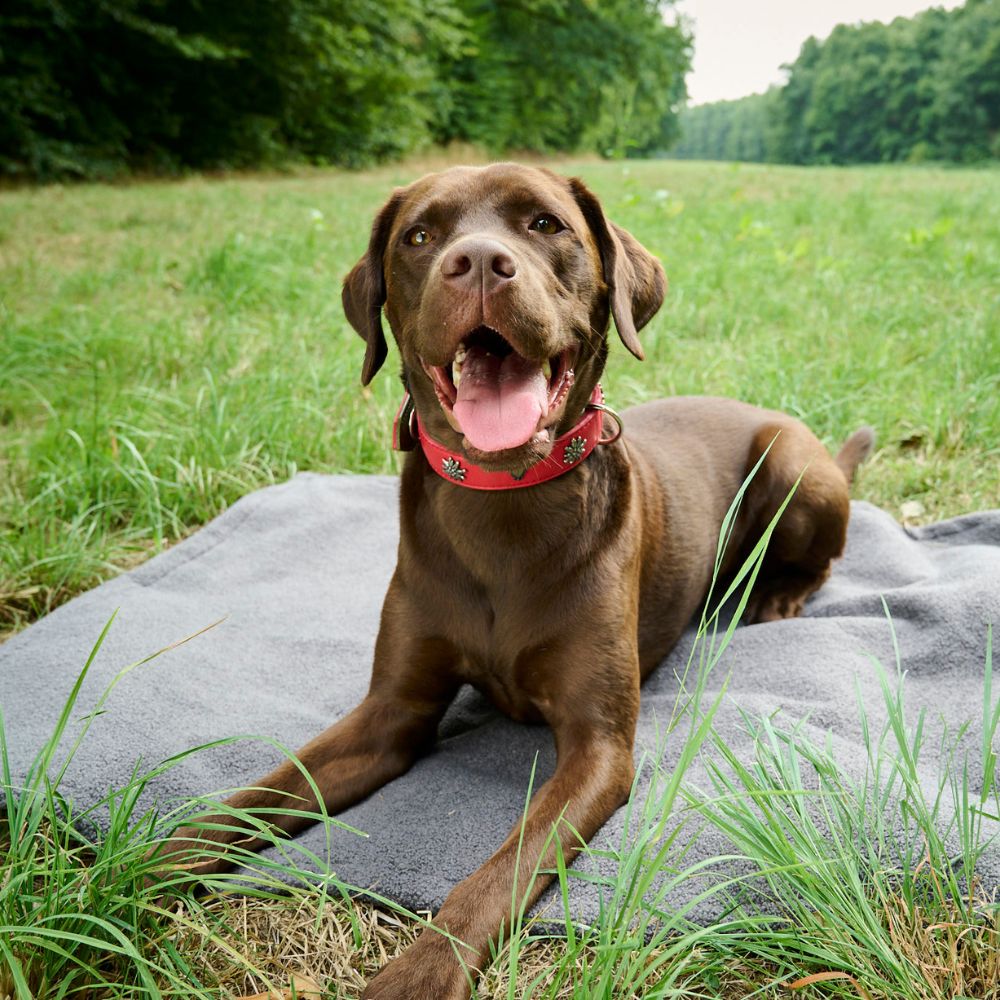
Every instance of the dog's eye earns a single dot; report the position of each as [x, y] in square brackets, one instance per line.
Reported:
[418, 237]
[547, 224]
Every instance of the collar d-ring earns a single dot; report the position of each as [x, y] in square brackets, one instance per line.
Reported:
[605, 409]
[404, 427]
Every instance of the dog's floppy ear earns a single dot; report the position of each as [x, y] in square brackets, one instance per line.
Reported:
[364, 290]
[635, 279]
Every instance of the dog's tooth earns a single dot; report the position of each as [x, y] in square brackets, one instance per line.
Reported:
[547, 370]
[456, 372]
[460, 355]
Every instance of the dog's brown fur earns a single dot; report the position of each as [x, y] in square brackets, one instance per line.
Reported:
[558, 599]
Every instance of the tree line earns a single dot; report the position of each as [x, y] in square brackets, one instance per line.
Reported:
[920, 88]
[97, 89]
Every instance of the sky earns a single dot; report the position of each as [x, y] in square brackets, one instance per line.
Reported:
[739, 45]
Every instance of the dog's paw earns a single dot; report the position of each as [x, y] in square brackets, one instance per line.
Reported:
[783, 596]
[774, 608]
[416, 975]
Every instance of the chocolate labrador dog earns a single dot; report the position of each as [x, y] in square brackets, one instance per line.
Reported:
[544, 557]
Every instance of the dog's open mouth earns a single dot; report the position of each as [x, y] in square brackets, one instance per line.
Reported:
[498, 398]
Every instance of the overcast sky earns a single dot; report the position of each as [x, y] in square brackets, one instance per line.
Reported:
[739, 45]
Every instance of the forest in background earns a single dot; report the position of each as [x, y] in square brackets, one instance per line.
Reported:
[98, 90]
[94, 90]
[920, 88]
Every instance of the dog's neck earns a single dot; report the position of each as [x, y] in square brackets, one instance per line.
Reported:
[568, 450]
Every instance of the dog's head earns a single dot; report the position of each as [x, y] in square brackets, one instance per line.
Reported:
[498, 283]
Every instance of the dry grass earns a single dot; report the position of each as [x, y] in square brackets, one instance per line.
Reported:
[248, 946]
[956, 958]
[252, 946]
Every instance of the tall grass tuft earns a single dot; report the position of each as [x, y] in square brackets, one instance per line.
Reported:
[82, 908]
[872, 882]
[851, 888]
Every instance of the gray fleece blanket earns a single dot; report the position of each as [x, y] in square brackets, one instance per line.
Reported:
[298, 572]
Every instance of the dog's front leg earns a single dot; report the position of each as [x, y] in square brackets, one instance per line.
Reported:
[593, 777]
[412, 685]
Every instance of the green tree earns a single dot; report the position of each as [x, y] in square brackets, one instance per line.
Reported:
[729, 130]
[96, 88]
[569, 74]
[920, 87]
[964, 115]
[73, 83]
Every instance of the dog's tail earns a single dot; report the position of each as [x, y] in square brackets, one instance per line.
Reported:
[855, 450]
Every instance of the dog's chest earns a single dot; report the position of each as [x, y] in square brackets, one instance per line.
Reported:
[499, 645]
[501, 636]
[503, 684]
[510, 578]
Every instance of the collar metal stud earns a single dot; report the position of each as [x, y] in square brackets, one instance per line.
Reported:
[574, 450]
[450, 467]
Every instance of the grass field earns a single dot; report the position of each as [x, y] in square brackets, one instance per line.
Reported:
[165, 348]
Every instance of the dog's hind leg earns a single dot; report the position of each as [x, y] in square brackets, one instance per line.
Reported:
[812, 531]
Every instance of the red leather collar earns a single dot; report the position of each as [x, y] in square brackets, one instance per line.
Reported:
[569, 450]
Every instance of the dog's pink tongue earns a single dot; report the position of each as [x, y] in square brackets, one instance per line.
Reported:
[500, 400]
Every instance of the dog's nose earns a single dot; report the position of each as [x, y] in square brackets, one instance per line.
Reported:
[475, 260]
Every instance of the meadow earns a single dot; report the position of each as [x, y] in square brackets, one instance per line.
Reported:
[167, 347]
